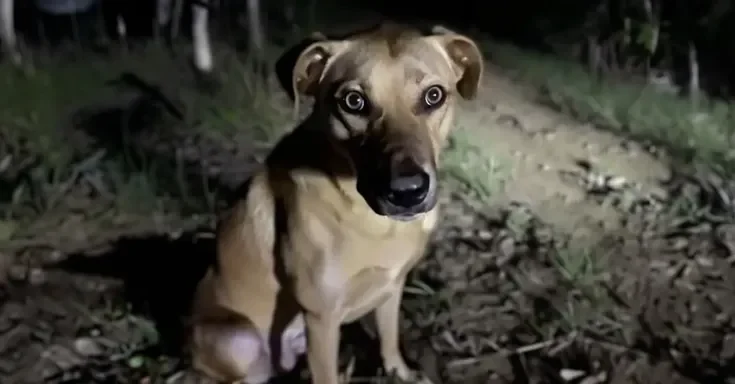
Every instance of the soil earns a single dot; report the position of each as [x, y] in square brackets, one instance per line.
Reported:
[498, 298]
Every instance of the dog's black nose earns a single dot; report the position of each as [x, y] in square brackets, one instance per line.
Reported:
[410, 187]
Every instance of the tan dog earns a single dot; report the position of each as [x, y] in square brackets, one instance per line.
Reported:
[342, 209]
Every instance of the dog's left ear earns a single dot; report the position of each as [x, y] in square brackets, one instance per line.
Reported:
[300, 67]
[466, 58]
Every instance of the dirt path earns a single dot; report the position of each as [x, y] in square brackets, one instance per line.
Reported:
[543, 147]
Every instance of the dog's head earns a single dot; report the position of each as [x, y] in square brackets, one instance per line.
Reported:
[386, 97]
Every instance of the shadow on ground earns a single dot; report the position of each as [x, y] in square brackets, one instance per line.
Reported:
[159, 275]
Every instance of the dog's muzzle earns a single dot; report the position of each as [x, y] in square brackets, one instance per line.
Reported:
[407, 190]
[398, 182]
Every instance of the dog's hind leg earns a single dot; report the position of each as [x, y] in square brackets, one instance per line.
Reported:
[233, 351]
[229, 352]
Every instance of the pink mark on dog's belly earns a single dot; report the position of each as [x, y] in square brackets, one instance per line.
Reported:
[252, 354]
[249, 353]
[293, 343]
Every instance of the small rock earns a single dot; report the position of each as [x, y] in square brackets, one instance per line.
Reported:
[86, 346]
[136, 362]
[36, 276]
[507, 247]
[570, 374]
[484, 235]
[705, 262]
[678, 244]
[616, 182]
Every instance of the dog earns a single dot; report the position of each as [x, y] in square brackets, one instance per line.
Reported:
[341, 210]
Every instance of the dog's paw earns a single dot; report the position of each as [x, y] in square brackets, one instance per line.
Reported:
[409, 376]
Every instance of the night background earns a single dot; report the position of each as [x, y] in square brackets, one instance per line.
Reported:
[588, 228]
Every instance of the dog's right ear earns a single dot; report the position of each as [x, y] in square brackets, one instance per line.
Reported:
[300, 67]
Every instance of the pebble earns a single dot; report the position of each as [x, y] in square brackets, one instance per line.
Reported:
[86, 346]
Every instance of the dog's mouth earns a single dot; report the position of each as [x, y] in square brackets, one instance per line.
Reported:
[406, 217]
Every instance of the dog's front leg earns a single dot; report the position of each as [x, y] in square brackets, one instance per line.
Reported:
[387, 320]
[322, 338]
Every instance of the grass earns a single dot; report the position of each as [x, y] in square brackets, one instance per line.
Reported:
[36, 118]
[245, 104]
[473, 168]
[583, 271]
[702, 132]
[36, 139]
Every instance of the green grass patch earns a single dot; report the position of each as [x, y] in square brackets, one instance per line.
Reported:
[246, 103]
[703, 132]
[40, 137]
[584, 302]
[480, 173]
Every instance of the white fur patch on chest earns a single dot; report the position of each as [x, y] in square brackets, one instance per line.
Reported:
[333, 279]
[367, 290]
[430, 220]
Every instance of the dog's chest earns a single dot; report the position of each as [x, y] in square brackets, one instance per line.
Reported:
[356, 265]
[372, 270]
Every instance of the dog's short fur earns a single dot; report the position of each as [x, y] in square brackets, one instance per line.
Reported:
[342, 209]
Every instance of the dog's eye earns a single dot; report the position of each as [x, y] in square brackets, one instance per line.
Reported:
[353, 102]
[434, 96]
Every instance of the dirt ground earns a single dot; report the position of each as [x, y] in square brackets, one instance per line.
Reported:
[583, 268]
